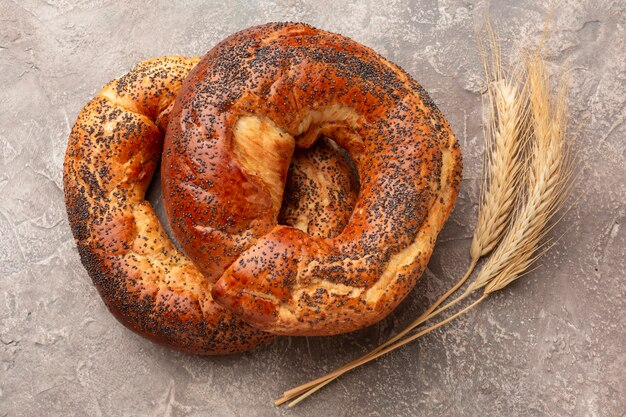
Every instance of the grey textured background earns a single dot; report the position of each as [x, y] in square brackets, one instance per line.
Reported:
[553, 344]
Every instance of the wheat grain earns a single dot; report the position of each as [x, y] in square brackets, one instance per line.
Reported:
[548, 177]
[505, 136]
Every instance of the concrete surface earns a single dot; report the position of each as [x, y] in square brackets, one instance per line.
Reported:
[553, 344]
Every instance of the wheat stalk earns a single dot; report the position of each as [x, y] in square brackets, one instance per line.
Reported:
[526, 188]
[549, 175]
[506, 134]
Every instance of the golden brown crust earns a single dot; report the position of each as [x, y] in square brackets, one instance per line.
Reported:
[144, 280]
[303, 82]
[254, 100]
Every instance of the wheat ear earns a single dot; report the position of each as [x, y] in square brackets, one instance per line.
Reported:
[548, 180]
[507, 133]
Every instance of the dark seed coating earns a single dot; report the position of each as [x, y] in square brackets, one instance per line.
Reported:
[146, 283]
[144, 280]
[307, 82]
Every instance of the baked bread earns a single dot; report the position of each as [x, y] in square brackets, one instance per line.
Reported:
[150, 286]
[240, 114]
[287, 233]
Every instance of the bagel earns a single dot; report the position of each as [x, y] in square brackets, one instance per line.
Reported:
[148, 285]
[241, 113]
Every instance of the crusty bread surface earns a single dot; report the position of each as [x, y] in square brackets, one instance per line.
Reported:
[245, 108]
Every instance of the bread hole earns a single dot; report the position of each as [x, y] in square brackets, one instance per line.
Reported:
[313, 188]
[321, 190]
[154, 195]
[322, 183]
[312, 181]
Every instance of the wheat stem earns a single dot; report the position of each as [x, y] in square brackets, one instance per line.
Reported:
[368, 358]
[431, 312]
